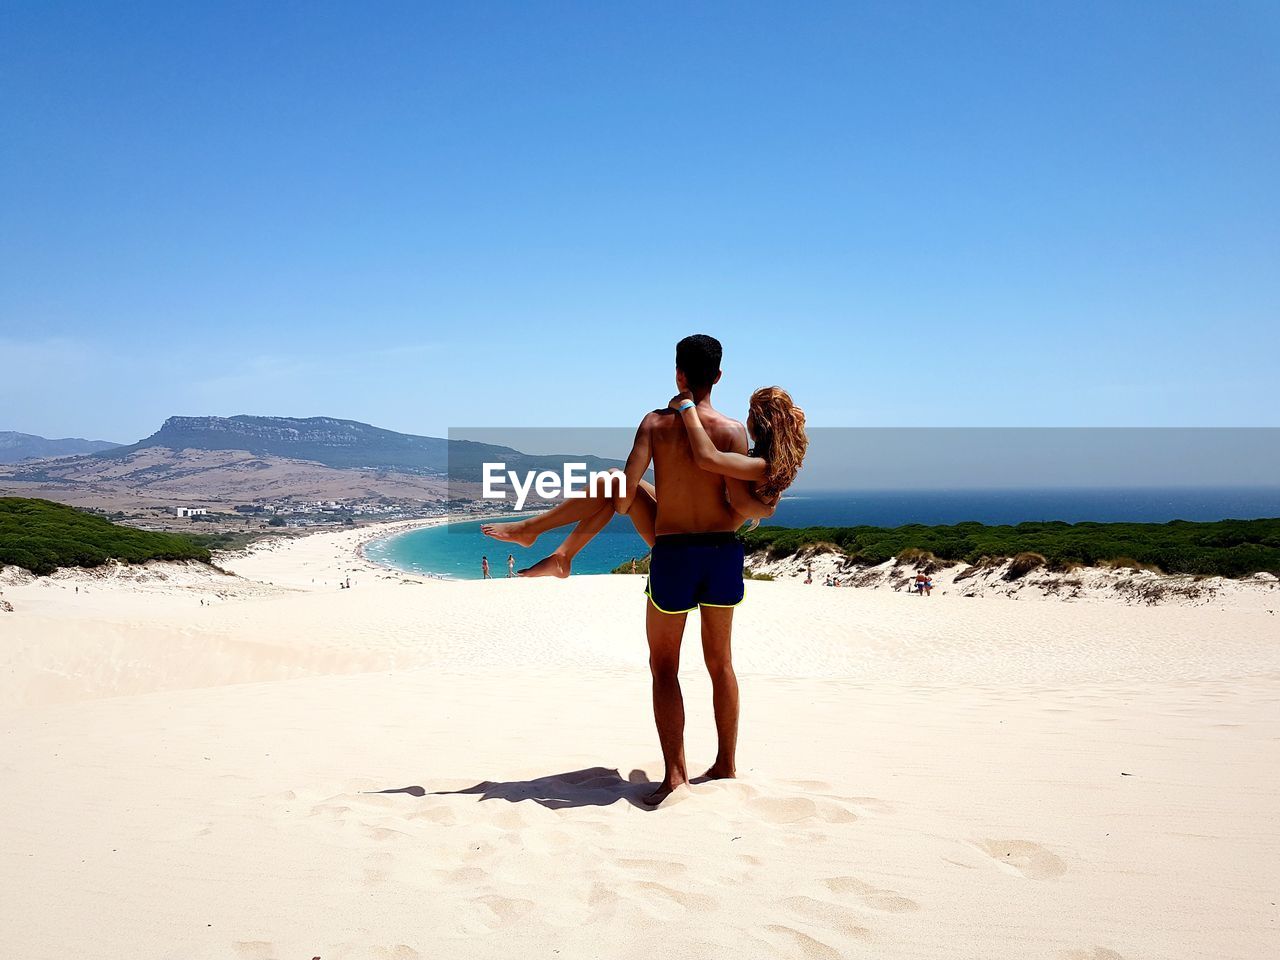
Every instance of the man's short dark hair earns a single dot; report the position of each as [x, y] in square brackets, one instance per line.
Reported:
[698, 358]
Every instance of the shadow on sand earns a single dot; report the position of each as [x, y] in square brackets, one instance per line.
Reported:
[592, 787]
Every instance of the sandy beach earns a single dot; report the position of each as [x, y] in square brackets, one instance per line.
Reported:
[256, 766]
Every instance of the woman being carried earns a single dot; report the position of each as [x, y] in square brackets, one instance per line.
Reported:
[775, 426]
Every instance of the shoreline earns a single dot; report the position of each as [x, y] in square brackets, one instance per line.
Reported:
[411, 525]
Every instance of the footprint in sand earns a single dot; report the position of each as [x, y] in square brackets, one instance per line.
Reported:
[330, 811]
[825, 790]
[810, 786]
[505, 909]
[649, 893]
[465, 875]
[513, 818]
[440, 814]
[793, 943]
[869, 895]
[652, 868]
[829, 916]
[601, 897]
[869, 805]
[783, 809]
[378, 868]
[1023, 857]
[795, 809]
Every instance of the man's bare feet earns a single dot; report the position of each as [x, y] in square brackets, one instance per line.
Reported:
[665, 789]
[556, 565]
[510, 532]
[717, 772]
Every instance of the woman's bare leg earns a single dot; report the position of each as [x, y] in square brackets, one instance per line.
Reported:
[644, 516]
[644, 512]
[526, 531]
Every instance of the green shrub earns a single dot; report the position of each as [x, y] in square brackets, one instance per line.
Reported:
[1229, 548]
[41, 536]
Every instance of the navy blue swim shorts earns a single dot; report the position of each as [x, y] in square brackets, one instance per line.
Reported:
[688, 570]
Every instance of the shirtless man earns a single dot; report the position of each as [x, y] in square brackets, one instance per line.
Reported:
[689, 515]
[696, 561]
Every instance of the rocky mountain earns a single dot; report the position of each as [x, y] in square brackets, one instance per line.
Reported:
[15, 447]
[342, 444]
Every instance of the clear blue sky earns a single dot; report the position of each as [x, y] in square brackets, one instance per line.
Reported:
[428, 215]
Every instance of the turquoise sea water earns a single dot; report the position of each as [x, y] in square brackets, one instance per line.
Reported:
[455, 550]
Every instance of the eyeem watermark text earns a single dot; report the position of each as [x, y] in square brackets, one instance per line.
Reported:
[575, 482]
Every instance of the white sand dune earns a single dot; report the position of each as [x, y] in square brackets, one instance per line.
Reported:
[429, 769]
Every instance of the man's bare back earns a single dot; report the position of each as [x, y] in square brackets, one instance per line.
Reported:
[690, 499]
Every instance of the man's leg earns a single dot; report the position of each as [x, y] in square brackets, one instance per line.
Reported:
[717, 633]
[665, 631]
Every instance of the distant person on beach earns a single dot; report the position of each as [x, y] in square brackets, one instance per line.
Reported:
[511, 565]
[484, 568]
[706, 486]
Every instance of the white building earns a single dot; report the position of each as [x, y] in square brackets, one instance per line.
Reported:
[188, 511]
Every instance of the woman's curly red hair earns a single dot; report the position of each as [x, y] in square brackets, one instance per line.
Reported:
[778, 427]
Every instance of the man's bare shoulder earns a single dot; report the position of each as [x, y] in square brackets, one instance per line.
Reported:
[724, 430]
[716, 418]
[656, 418]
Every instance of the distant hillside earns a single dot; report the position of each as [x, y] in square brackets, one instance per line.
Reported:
[42, 536]
[343, 444]
[160, 477]
[25, 446]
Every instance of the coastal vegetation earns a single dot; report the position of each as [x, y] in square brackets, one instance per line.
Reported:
[1228, 548]
[41, 536]
[230, 539]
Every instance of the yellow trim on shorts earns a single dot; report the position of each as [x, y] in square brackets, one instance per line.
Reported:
[668, 612]
[723, 606]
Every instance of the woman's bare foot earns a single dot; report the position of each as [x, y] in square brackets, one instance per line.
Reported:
[665, 789]
[510, 532]
[556, 565]
[717, 772]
